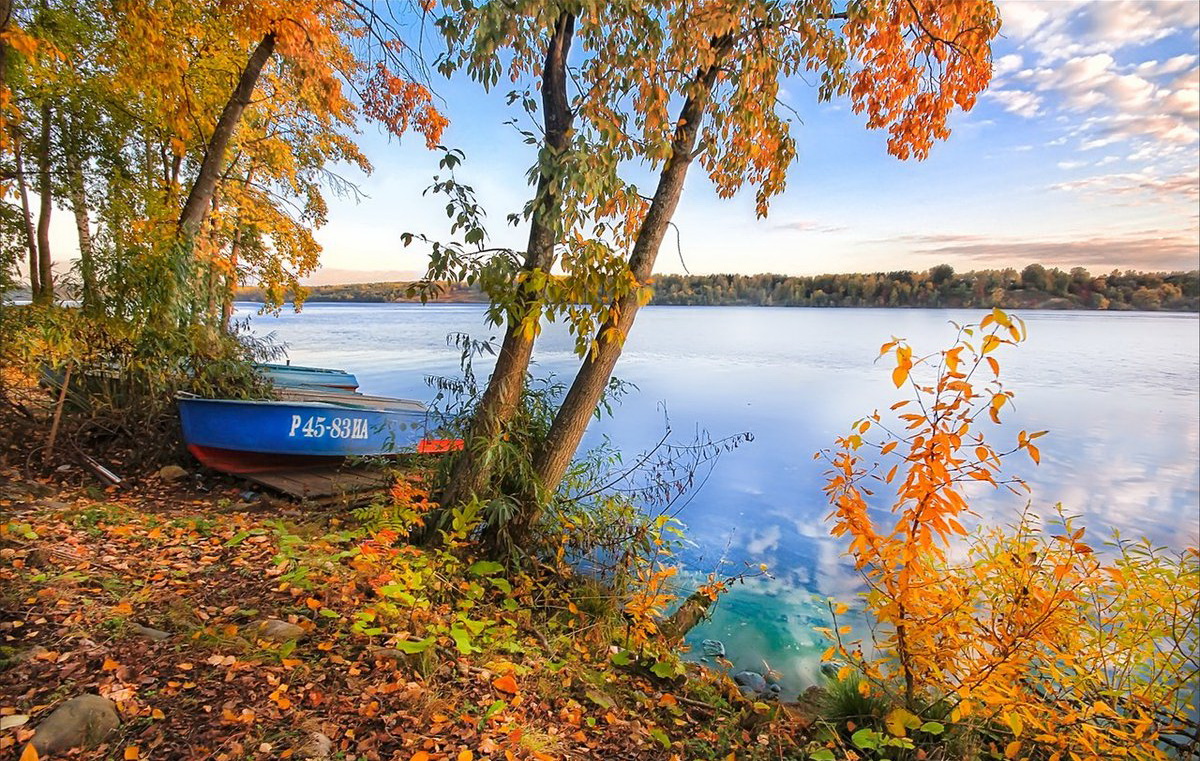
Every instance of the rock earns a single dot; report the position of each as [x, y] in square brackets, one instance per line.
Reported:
[389, 654]
[751, 683]
[154, 635]
[171, 473]
[279, 631]
[830, 669]
[78, 723]
[319, 746]
[713, 648]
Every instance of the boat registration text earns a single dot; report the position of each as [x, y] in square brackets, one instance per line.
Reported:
[319, 426]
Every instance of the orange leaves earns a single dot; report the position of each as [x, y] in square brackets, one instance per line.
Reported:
[904, 363]
[399, 104]
[919, 60]
[506, 684]
[1027, 615]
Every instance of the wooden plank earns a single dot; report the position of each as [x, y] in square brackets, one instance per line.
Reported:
[324, 484]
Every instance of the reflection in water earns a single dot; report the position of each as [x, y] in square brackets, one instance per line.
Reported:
[1118, 393]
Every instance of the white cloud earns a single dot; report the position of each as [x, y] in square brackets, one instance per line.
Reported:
[1006, 64]
[1169, 66]
[1084, 64]
[1019, 102]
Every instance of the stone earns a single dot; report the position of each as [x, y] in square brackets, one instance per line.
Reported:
[389, 654]
[830, 669]
[751, 683]
[319, 746]
[171, 473]
[713, 648]
[81, 722]
[154, 635]
[279, 631]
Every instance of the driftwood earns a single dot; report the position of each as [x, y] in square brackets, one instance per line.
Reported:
[692, 612]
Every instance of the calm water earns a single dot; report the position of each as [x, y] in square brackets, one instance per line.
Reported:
[1119, 393]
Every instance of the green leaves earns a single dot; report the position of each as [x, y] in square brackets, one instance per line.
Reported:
[413, 647]
[485, 568]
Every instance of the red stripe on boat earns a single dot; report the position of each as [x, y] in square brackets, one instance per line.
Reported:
[439, 446]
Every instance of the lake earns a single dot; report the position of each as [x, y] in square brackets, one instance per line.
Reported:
[1119, 394]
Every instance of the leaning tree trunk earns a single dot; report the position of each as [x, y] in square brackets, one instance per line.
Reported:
[45, 294]
[200, 196]
[585, 393]
[199, 199]
[473, 468]
[35, 282]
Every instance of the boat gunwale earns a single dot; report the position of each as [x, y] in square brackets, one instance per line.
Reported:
[307, 405]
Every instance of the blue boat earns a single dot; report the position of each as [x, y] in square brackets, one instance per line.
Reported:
[238, 436]
[299, 375]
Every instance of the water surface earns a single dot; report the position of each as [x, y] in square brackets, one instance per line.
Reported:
[1119, 393]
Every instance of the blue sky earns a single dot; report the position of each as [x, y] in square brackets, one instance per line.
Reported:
[1083, 152]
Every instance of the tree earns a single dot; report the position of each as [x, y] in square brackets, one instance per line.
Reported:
[188, 137]
[941, 273]
[1035, 639]
[902, 64]
[744, 141]
[496, 407]
[1034, 276]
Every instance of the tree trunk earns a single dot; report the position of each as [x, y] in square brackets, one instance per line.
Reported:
[46, 294]
[231, 279]
[195, 209]
[204, 188]
[5, 95]
[87, 262]
[473, 467]
[585, 393]
[35, 281]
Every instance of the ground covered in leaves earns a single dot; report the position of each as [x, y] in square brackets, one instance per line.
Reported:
[159, 598]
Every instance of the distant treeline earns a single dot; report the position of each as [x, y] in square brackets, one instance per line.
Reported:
[370, 293]
[1035, 287]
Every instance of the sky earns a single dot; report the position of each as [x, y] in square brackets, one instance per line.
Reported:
[1082, 152]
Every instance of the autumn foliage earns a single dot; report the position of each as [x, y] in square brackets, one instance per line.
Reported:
[1027, 639]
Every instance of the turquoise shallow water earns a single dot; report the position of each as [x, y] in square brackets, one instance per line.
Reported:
[1119, 393]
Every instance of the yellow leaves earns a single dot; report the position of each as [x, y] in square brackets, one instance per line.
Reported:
[29, 754]
[1014, 723]
[899, 721]
[903, 365]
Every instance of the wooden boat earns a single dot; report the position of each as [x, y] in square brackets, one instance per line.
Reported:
[238, 436]
[299, 375]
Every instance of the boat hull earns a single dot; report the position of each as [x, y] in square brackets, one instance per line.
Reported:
[251, 436]
[298, 375]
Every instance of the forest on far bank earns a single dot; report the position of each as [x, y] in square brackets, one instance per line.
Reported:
[1034, 287]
